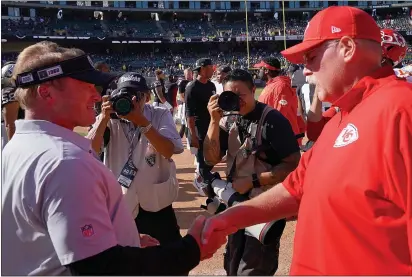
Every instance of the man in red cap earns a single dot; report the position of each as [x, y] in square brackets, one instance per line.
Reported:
[394, 50]
[355, 205]
[278, 92]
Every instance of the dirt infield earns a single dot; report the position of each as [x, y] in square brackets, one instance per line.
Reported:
[188, 208]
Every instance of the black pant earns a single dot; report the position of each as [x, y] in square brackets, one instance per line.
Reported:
[247, 256]
[161, 225]
[182, 130]
[204, 169]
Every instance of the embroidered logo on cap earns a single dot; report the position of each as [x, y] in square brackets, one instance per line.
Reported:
[348, 135]
[335, 30]
[87, 230]
[50, 72]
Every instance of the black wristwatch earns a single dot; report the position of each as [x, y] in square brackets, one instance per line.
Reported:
[255, 181]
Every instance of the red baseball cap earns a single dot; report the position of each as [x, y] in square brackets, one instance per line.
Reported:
[334, 23]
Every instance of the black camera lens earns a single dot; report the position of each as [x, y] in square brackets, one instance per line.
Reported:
[229, 101]
[123, 106]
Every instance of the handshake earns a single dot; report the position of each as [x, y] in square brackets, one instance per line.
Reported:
[210, 234]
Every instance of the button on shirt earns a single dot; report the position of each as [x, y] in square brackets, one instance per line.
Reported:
[60, 204]
[355, 185]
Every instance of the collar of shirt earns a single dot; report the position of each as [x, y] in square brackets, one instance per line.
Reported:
[365, 87]
[256, 113]
[46, 127]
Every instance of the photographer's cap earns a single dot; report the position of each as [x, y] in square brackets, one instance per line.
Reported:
[132, 80]
[334, 23]
[269, 63]
[202, 62]
[80, 68]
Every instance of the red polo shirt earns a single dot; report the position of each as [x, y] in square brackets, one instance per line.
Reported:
[279, 94]
[314, 129]
[354, 186]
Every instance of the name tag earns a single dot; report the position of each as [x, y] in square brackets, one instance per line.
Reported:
[127, 174]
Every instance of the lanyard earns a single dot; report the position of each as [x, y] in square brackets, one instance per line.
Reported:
[130, 134]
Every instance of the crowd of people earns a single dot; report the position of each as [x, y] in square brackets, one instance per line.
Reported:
[122, 26]
[103, 204]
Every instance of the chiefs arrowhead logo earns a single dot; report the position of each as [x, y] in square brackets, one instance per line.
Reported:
[348, 135]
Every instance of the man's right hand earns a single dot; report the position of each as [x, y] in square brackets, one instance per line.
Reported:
[215, 111]
[206, 250]
[214, 228]
[107, 107]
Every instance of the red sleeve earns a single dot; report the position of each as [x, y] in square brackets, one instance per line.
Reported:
[398, 165]
[314, 129]
[294, 182]
[265, 98]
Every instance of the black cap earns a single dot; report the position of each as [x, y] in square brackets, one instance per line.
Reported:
[80, 68]
[202, 62]
[292, 68]
[224, 68]
[269, 63]
[132, 80]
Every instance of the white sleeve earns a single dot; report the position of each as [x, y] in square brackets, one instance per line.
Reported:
[167, 128]
[75, 212]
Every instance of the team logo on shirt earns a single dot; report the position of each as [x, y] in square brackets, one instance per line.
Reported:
[348, 135]
[283, 102]
[87, 230]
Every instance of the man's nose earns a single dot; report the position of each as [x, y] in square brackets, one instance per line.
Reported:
[96, 95]
[307, 72]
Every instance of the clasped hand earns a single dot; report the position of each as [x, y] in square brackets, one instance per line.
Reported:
[210, 234]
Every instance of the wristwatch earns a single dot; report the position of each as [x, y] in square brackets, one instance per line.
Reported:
[255, 181]
[146, 129]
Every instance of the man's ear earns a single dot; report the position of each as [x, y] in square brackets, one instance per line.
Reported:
[347, 48]
[43, 92]
[254, 89]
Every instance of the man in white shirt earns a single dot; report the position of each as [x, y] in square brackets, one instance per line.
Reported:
[63, 211]
[221, 73]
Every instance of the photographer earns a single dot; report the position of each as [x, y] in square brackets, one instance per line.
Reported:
[256, 161]
[138, 148]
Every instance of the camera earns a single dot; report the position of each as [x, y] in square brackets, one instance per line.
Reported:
[222, 195]
[122, 100]
[229, 101]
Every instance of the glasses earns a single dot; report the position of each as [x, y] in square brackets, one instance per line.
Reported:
[307, 57]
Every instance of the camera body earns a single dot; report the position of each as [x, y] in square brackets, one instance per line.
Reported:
[219, 191]
[122, 100]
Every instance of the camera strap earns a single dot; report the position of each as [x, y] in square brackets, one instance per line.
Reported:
[256, 138]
